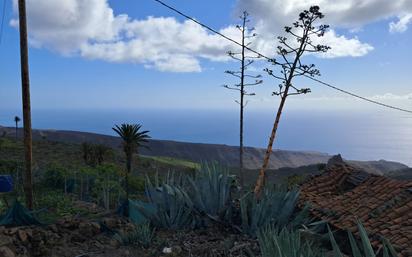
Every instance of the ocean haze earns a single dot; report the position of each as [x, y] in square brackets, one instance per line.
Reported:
[357, 135]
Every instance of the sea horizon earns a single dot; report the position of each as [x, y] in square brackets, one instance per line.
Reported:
[360, 135]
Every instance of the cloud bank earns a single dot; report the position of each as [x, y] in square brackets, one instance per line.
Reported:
[89, 28]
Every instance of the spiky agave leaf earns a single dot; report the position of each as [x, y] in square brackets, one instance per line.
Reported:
[335, 246]
[275, 206]
[355, 249]
[210, 191]
[367, 250]
[285, 243]
[173, 207]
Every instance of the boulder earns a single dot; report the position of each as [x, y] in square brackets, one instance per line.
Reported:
[6, 252]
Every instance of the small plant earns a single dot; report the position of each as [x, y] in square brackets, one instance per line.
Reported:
[142, 235]
[173, 207]
[210, 192]
[366, 250]
[285, 243]
[276, 206]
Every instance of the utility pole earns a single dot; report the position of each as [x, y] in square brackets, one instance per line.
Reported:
[25, 83]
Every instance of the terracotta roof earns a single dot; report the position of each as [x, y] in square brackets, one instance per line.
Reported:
[342, 194]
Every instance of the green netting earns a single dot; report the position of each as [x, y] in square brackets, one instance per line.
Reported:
[136, 215]
[18, 215]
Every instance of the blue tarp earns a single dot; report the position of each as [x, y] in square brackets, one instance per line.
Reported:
[6, 183]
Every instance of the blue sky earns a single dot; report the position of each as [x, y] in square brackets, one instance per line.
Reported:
[124, 59]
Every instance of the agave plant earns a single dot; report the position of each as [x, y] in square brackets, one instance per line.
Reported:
[142, 235]
[366, 250]
[172, 206]
[276, 206]
[285, 243]
[210, 191]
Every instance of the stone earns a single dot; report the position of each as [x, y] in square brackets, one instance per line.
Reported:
[6, 252]
[53, 228]
[114, 243]
[22, 235]
[110, 222]
[167, 250]
[5, 240]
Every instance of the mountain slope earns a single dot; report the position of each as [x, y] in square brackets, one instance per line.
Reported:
[224, 154]
[197, 152]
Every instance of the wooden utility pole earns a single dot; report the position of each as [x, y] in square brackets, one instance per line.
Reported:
[25, 83]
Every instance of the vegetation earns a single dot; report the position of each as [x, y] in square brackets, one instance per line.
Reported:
[280, 243]
[142, 235]
[245, 61]
[292, 67]
[209, 196]
[275, 206]
[133, 138]
[211, 192]
[16, 121]
[366, 250]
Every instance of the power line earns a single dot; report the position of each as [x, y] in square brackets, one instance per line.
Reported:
[271, 59]
[211, 29]
[358, 96]
[2, 20]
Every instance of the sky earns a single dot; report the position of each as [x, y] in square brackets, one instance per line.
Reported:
[128, 54]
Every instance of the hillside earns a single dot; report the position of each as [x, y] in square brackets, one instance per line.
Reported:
[197, 152]
[224, 154]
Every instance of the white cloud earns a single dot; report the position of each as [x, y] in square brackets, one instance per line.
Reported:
[342, 13]
[342, 46]
[348, 14]
[90, 29]
[390, 96]
[402, 24]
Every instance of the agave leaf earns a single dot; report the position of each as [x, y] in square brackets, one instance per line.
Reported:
[389, 247]
[335, 247]
[355, 249]
[367, 247]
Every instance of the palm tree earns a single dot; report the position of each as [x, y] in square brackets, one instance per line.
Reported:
[132, 138]
[16, 120]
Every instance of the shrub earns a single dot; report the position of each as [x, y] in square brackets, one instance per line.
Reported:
[173, 207]
[210, 191]
[276, 207]
[142, 235]
[284, 243]
[366, 250]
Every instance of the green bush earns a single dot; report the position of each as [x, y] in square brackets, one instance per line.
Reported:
[56, 203]
[55, 177]
[136, 184]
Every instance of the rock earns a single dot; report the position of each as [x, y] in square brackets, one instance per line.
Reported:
[335, 160]
[167, 250]
[114, 243]
[22, 235]
[6, 252]
[12, 231]
[5, 240]
[53, 228]
[110, 222]
[96, 227]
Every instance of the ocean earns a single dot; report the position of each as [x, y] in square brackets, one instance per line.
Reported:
[357, 135]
